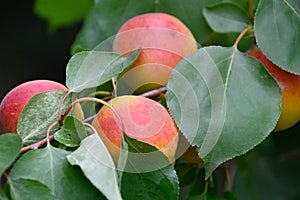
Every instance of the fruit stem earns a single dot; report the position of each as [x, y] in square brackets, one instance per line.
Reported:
[49, 130]
[61, 105]
[90, 126]
[239, 38]
[114, 93]
[105, 93]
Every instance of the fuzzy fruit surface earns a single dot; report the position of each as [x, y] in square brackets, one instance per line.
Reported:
[290, 88]
[164, 40]
[143, 119]
[16, 99]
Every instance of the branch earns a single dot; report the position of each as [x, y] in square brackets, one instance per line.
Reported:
[154, 93]
[43, 142]
[37, 145]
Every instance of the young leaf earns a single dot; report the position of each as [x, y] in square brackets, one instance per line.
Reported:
[226, 17]
[57, 16]
[71, 133]
[280, 41]
[39, 113]
[97, 165]
[92, 68]
[10, 146]
[22, 189]
[50, 167]
[224, 102]
[141, 181]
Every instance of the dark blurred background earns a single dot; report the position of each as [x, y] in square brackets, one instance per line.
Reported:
[28, 49]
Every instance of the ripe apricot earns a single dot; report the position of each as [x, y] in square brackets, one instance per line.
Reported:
[143, 119]
[164, 41]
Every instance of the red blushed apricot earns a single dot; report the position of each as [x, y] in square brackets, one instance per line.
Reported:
[143, 119]
[164, 40]
[290, 88]
[16, 99]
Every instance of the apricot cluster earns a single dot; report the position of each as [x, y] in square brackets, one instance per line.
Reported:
[164, 41]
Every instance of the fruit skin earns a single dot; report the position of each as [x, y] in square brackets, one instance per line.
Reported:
[16, 99]
[164, 40]
[143, 119]
[290, 88]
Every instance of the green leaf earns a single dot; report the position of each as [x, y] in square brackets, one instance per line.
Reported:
[280, 41]
[92, 68]
[191, 179]
[23, 189]
[188, 173]
[3, 195]
[50, 167]
[71, 133]
[60, 13]
[147, 172]
[10, 146]
[226, 18]
[229, 196]
[39, 113]
[270, 171]
[96, 163]
[224, 102]
[205, 197]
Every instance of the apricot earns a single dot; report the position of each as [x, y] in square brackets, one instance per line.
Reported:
[164, 41]
[290, 87]
[143, 119]
[16, 99]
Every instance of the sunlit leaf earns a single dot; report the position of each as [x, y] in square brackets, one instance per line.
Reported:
[39, 113]
[89, 69]
[224, 102]
[97, 165]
